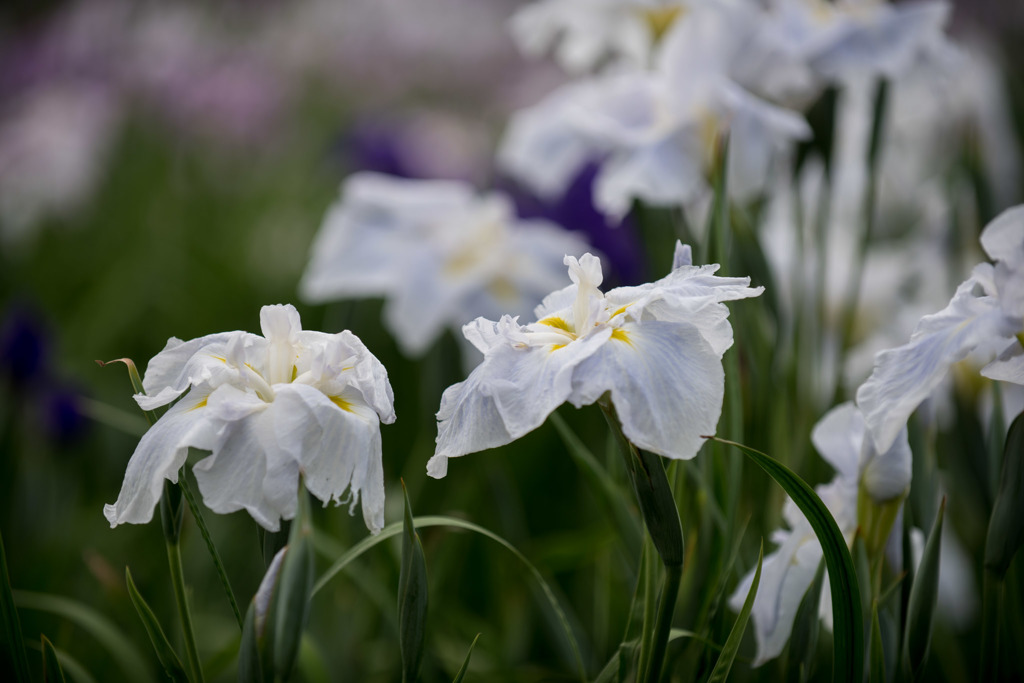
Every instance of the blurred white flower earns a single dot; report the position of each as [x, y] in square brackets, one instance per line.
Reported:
[53, 148]
[266, 407]
[584, 33]
[657, 129]
[854, 38]
[787, 573]
[657, 348]
[437, 251]
[985, 314]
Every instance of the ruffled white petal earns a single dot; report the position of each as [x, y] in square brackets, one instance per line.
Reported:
[160, 454]
[183, 364]
[666, 384]
[903, 377]
[340, 448]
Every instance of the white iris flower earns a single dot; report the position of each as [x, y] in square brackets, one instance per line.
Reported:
[582, 34]
[656, 348]
[656, 128]
[266, 407]
[986, 314]
[788, 572]
[437, 251]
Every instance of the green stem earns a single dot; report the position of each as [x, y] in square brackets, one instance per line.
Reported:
[666, 608]
[178, 581]
[197, 514]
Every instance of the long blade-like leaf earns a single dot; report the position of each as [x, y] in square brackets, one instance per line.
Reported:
[12, 644]
[924, 592]
[52, 671]
[412, 597]
[92, 622]
[848, 621]
[732, 643]
[465, 665]
[165, 654]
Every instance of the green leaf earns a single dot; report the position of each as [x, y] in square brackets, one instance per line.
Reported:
[1005, 531]
[732, 644]
[923, 595]
[52, 671]
[250, 652]
[133, 664]
[876, 672]
[803, 640]
[465, 665]
[848, 620]
[420, 522]
[289, 610]
[412, 597]
[12, 645]
[165, 654]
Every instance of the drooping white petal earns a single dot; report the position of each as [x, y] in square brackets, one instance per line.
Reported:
[666, 384]
[251, 467]
[508, 395]
[1008, 366]
[160, 454]
[903, 377]
[340, 446]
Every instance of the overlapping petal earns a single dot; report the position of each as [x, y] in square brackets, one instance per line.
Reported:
[265, 408]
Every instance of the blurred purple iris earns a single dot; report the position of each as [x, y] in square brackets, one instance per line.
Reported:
[26, 373]
[575, 210]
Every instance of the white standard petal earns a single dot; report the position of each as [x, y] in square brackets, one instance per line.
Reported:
[158, 457]
[666, 384]
[508, 395]
[903, 377]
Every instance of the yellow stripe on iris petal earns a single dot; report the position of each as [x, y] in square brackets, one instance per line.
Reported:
[341, 403]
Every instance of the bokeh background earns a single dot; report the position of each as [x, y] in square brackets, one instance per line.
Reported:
[164, 167]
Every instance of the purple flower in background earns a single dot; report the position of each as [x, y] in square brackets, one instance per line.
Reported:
[575, 210]
[26, 372]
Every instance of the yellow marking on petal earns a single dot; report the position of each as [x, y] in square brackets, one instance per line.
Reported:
[222, 360]
[341, 403]
[621, 309]
[555, 347]
[556, 322]
[201, 404]
[295, 373]
[621, 335]
[660, 19]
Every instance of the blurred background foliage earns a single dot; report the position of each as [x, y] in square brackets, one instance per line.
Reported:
[216, 137]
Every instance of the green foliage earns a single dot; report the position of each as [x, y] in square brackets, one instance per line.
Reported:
[165, 653]
[412, 597]
[848, 630]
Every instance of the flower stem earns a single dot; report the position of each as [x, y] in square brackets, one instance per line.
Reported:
[178, 581]
[666, 608]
